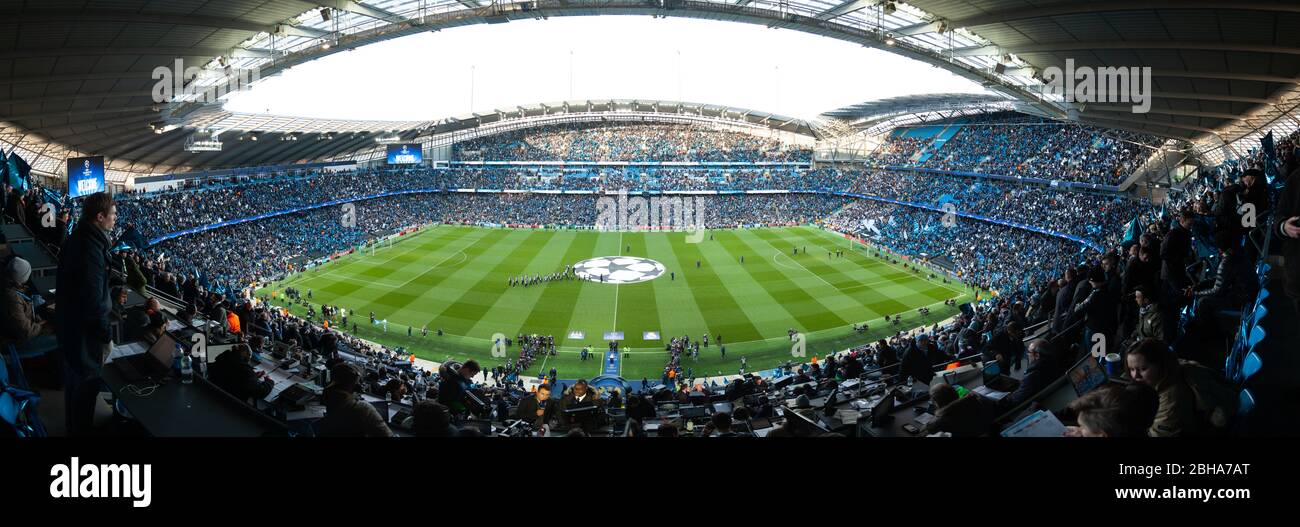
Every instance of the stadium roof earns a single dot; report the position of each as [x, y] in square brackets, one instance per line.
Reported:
[911, 104]
[340, 138]
[1222, 70]
[80, 74]
[223, 120]
[879, 116]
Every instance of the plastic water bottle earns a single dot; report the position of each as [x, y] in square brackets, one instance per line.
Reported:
[187, 369]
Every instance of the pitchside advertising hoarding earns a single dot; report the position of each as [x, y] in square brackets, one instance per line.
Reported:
[85, 175]
[405, 154]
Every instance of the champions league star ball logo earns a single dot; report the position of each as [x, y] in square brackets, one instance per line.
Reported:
[619, 269]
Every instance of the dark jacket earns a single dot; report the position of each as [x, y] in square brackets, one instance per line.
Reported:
[641, 410]
[1234, 280]
[1064, 301]
[1044, 303]
[1141, 274]
[451, 387]
[1081, 293]
[916, 365]
[82, 299]
[1100, 310]
[230, 373]
[1174, 254]
[346, 416]
[1012, 350]
[887, 357]
[527, 410]
[1233, 197]
[1038, 375]
[571, 400]
[965, 417]
[1288, 206]
[18, 322]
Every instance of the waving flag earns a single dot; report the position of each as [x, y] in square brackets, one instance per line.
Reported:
[1132, 233]
[1270, 158]
[18, 171]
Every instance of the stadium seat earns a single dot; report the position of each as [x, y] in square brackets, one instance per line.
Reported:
[11, 364]
[1256, 315]
[1246, 402]
[1256, 335]
[1251, 365]
[18, 406]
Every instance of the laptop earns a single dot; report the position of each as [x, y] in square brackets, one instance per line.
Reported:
[153, 364]
[381, 407]
[880, 413]
[995, 380]
[1087, 375]
[297, 395]
[399, 418]
[693, 412]
[484, 426]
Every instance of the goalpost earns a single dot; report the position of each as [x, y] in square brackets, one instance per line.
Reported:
[383, 243]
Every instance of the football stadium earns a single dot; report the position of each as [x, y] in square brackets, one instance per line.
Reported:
[313, 219]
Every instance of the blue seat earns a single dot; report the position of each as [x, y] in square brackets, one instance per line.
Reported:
[14, 363]
[1255, 315]
[1251, 365]
[1246, 402]
[18, 405]
[1257, 334]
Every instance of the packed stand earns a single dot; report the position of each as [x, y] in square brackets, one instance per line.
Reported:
[597, 141]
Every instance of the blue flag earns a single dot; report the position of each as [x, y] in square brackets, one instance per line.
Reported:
[1132, 233]
[1270, 158]
[18, 172]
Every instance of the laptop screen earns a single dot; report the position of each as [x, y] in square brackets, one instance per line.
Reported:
[991, 369]
[381, 407]
[162, 350]
[1087, 375]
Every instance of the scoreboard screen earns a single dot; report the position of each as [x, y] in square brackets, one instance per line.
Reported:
[85, 175]
[405, 154]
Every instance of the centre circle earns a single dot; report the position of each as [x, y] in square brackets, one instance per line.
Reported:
[619, 269]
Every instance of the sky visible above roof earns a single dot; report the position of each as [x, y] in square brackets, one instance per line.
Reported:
[429, 76]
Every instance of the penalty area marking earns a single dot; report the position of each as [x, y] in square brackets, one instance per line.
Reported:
[805, 269]
[463, 258]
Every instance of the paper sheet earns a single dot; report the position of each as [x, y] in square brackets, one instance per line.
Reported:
[1038, 424]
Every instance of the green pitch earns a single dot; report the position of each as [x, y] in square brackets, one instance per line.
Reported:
[455, 278]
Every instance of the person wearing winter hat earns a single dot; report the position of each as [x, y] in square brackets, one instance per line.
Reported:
[18, 321]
